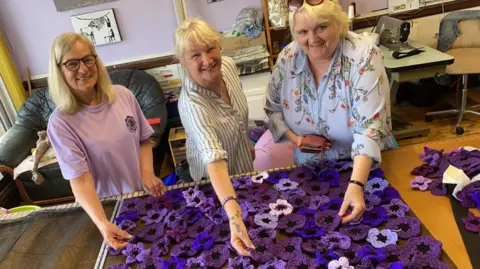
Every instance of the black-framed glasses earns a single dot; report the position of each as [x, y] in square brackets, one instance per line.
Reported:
[296, 4]
[74, 64]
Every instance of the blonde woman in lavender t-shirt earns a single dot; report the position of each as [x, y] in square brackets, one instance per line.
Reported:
[98, 131]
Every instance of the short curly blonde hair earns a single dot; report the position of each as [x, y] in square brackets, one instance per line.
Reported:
[194, 31]
[329, 10]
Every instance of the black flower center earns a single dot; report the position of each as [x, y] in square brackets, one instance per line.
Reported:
[424, 248]
[287, 184]
[298, 201]
[266, 197]
[356, 231]
[281, 207]
[266, 220]
[155, 216]
[382, 238]
[310, 231]
[135, 252]
[263, 234]
[334, 206]
[148, 206]
[302, 266]
[241, 196]
[272, 267]
[301, 175]
[185, 248]
[216, 255]
[152, 231]
[200, 229]
[172, 266]
[392, 258]
[474, 222]
[291, 224]
[260, 249]
[195, 266]
[330, 177]
[238, 266]
[204, 240]
[376, 186]
[440, 186]
[404, 227]
[334, 240]
[329, 219]
[350, 254]
[196, 200]
[395, 208]
[315, 188]
[373, 216]
[172, 218]
[290, 248]
[223, 233]
[132, 205]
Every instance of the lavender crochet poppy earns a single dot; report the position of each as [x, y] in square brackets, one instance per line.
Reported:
[310, 230]
[424, 245]
[396, 208]
[174, 263]
[301, 174]
[154, 216]
[255, 207]
[281, 207]
[381, 239]
[266, 220]
[196, 263]
[313, 188]
[152, 232]
[127, 225]
[372, 201]
[136, 253]
[318, 201]
[275, 264]
[425, 261]
[472, 223]
[196, 199]
[301, 262]
[420, 183]
[260, 178]
[289, 248]
[292, 222]
[437, 188]
[201, 226]
[262, 233]
[217, 256]
[406, 227]
[387, 195]
[286, 185]
[334, 205]
[274, 177]
[267, 197]
[341, 263]
[330, 176]
[463, 195]
[286, 195]
[185, 249]
[239, 262]
[263, 251]
[161, 246]
[298, 201]
[376, 184]
[336, 240]
[327, 220]
[356, 232]
[119, 266]
[377, 255]
[375, 217]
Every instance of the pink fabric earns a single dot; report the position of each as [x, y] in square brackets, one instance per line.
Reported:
[269, 155]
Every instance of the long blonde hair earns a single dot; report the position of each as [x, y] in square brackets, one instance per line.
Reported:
[59, 90]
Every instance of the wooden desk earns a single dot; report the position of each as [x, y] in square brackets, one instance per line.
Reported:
[434, 212]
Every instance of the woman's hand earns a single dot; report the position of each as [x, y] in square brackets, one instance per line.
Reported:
[153, 185]
[114, 236]
[354, 198]
[252, 151]
[239, 236]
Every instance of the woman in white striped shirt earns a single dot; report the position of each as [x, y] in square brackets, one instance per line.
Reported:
[214, 112]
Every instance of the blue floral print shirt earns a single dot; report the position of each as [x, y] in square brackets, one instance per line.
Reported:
[350, 106]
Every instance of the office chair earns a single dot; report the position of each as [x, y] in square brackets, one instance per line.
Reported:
[466, 51]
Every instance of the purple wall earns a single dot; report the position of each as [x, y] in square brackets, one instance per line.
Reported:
[365, 6]
[146, 27]
[221, 15]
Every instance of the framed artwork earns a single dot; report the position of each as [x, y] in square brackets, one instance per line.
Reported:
[99, 26]
[213, 1]
[62, 5]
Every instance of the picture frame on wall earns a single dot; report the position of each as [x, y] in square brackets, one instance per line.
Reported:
[99, 26]
[213, 1]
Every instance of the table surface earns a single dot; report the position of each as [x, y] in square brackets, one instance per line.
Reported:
[430, 58]
[434, 212]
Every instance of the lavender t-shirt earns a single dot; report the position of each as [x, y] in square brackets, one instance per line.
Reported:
[103, 139]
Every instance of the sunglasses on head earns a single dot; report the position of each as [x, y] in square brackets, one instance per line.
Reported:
[296, 4]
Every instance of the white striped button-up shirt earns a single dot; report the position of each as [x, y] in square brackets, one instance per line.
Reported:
[215, 130]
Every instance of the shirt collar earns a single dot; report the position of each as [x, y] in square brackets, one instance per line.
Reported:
[300, 63]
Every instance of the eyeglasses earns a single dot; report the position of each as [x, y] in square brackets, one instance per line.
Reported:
[74, 64]
[296, 4]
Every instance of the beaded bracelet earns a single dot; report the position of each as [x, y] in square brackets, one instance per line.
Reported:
[357, 183]
[228, 199]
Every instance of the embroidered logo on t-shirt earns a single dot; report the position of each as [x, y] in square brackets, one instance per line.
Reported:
[131, 123]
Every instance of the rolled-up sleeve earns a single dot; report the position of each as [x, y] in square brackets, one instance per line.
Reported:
[273, 107]
[370, 107]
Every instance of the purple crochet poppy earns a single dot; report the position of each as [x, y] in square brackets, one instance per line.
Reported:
[129, 206]
[179, 207]
[145, 205]
[154, 216]
[396, 208]
[201, 226]
[292, 193]
[174, 195]
[288, 248]
[337, 193]
[243, 182]
[424, 245]
[381, 239]
[263, 251]
[340, 166]
[161, 246]
[406, 227]
[425, 261]
[356, 232]
[173, 219]
[255, 207]
[114, 252]
[299, 201]
[185, 249]
[119, 266]
[217, 215]
[196, 263]
[267, 197]
[189, 193]
[203, 241]
[308, 213]
[334, 205]
[266, 220]
[313, 188]
[127, 225]
[136, 253]
[275, 264]
[316, 169]
[311, 246]
[323, 258]
[437, 188]
[177, 234]
[475, 197]
[292, 222]
[174, 263]
[327, 220]
[286, 185]
[131, 216]
[376, 173]
[310, 230]
[193, 215]
[463, 195]
[217, 256]
[196, 199]
[351, 254]
[423, 170]
[221, 233]
[472, 223]
[387, 195]
[152, 232]
[239, 262]
[262, 233]
[420, 183]
[318, 201]
[331, 177]
[208, 191]
[302, 261]
[376, 184]
[377, 255]
[375, 217]
[301, 174]
[394, 254]
[336, 240]
[372, 201]
[274, 177]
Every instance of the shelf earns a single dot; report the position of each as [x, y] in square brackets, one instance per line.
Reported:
[275, 56]
[271, 28]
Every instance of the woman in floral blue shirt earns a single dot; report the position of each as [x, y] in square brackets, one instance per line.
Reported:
[331, 82]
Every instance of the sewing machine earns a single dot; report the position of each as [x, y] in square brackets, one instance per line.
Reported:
[393, 33]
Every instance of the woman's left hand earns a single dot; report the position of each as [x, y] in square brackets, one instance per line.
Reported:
[354, 197]
[153, 185]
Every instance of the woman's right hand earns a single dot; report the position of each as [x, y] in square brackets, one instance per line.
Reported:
[239, 235]
[114, 236]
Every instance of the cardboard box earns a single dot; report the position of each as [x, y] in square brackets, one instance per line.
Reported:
[234, 43]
